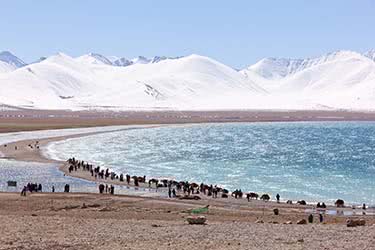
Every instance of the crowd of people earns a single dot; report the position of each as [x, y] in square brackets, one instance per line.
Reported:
[35, 187]
[175, 188]
[31, 187]
[107, 189]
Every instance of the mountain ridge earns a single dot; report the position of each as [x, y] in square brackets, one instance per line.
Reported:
[338, 80]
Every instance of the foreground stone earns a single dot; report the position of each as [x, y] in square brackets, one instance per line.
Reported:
[355, 222]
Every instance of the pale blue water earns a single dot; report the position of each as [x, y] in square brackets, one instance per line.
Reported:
[49, 175]
[311, 161]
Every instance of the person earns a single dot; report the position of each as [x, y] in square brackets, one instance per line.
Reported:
[174, 193]
[321, 218]
[169, 192]
[278, 198]
[66, 188]
[53, 189]
[23, 192]
[112, 190]
[311, 218]
[364, 206]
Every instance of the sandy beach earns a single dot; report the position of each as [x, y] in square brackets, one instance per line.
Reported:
[23, 120]
[61, 221]
[97, 221]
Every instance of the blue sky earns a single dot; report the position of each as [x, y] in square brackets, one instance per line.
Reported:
[237, 33]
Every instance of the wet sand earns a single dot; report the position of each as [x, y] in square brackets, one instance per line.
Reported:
[21, 120]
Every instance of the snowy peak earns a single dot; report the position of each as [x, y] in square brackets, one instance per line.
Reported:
[94, 58]
[11, 59]
[140, 60]
[122, 62]
[6, 68]
[342, 79]
[370, 54]
[57, 58]
[278, 68]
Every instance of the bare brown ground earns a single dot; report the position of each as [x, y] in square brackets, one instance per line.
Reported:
[59, 221]
[21, 120]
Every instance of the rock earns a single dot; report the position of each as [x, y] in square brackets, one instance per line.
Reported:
[196, 220]
[259, 221]
[69, 207]
[361, 222]
[351, 223]
[276, 211]
[355, 222]
[94, 205]
[300, 240]
[302, 222]
[190, 197]
[288, 222]
[106, 209]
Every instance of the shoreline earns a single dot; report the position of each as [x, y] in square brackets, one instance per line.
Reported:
[160, 222]
[30, 120]
[25, 153]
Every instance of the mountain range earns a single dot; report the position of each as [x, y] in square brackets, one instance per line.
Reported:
[338, 80]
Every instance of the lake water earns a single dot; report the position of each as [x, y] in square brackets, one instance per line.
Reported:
[48, 174]
[320, 161]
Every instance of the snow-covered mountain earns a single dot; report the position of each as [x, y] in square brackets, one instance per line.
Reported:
[6, 68]
[342, 79]
[61, 81]
[370, 54]
[94, 58]
[9, 62]
[121, 62]
[11, 59]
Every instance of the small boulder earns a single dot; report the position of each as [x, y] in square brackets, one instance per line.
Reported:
[355, 222]
[276, 211]
[259, 221]
[196, 220]
[361, 222]
[302, 222]
[351, 223]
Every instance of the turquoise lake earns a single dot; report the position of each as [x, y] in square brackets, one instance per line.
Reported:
[315, 161]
